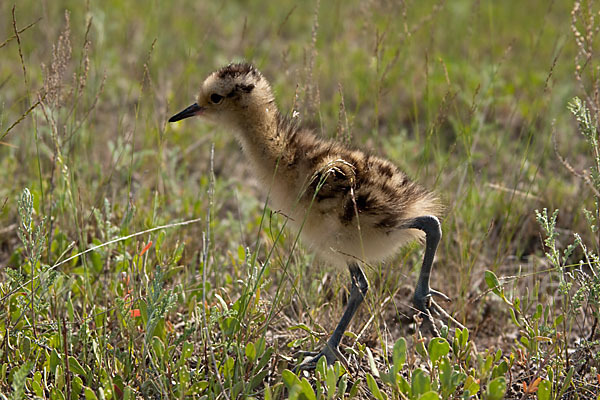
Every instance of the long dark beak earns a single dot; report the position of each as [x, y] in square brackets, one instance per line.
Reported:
[192, 110]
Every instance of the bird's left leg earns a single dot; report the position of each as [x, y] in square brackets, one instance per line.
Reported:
[422, 298]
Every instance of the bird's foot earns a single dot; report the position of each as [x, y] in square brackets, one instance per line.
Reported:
[427, 308]
[331, 354]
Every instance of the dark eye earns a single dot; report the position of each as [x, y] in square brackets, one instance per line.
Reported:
[216, 98]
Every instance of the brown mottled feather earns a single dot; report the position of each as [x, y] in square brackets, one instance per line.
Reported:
[349, 204]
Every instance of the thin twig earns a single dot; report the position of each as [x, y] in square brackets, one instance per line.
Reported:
[94, 248]
[205, 251]
[19, 31]
[14, 21]
[21, 118]
[16, 35]
[572, 170]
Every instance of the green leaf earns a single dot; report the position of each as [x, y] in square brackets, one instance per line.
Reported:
[538, 312]
[307, 390]
[158, 346]
[429, 396]
[260, 346]
[197, 388]
[354, 388]
[463, 337]
[184, 378]
[449, 378]
[566, 383]
[187, 349]
[500, 370]
[517, 304]
[403, 385]
[471, 386]
[89, 394]
[3, 371]
[250, 352]
[493, 282]
[496, 389]
[558, 320]
[290, 379]
[26, 346]
[237, 389]
[438, 348]
[97, 263]
[374, 388]
[228, 367]
[59, 378]
[57, 394]
[374, 369]
[268, 393]
[331, 382]
[420, 382]
[37, 377]
[54, 360]
[342, 385]
[321, 367]
[399, 354]
[514, 317]
[304, 327]
[76, 386]
[420, 347]
[258, 379]
[127, 393]
[75, 367]
[37, 388]
[498, 355]
[265, 358]
[544, 390]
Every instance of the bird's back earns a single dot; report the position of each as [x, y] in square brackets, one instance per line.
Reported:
[348, 204]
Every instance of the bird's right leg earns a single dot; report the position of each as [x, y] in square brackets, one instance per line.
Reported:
[331, 351]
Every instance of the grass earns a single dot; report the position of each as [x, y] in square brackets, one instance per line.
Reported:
[138, 259]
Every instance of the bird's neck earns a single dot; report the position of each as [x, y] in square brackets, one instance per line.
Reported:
[260, 138]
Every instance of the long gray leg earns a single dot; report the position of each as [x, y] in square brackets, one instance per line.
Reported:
[331, 351]
[423, 292]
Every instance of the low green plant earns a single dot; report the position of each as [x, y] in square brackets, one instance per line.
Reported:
[450, 372]
[446, 371]
[33, 238]
[552, 346]
[330, 382]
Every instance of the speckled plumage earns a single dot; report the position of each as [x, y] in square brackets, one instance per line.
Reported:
[354, 187]
[349, 205]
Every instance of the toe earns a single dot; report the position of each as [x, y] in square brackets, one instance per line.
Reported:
[422, 302]
[310, 363]
[441, 295]
[330, 353]
[304, 354]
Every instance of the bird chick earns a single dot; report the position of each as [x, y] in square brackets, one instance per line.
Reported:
[350, 207]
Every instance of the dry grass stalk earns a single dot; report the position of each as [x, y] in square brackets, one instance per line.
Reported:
[54, 74]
